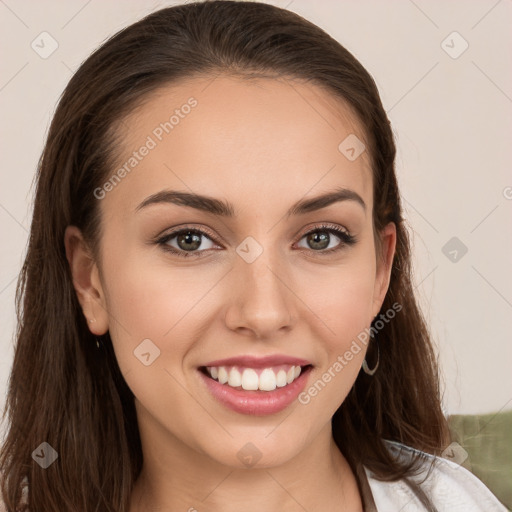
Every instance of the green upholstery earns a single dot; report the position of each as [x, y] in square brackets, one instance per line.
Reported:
[488, 440]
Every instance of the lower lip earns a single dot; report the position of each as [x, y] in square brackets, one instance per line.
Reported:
[258, 403]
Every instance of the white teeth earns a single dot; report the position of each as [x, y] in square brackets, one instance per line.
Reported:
[281, 379]
[248, 379]
[235, 379]
[267, 380]
[223, 375]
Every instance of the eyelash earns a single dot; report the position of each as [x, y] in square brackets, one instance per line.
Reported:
[346, 238]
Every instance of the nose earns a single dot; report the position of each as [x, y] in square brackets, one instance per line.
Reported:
[261, 302]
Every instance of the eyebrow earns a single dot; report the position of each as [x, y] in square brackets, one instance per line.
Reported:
[226, 209]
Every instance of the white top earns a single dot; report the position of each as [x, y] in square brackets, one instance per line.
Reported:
[450, 487]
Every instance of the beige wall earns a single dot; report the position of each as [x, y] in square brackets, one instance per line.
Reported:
[451, 113]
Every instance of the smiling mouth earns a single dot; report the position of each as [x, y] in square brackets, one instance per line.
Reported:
[255, 379]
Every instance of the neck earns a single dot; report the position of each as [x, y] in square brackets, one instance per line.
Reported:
[177, 477]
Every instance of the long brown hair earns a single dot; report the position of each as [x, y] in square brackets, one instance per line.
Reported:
[66, 392]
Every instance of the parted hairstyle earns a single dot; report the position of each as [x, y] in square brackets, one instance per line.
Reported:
[65, 391]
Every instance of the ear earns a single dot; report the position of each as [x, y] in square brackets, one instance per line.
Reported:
[384, 266]
[86, 281]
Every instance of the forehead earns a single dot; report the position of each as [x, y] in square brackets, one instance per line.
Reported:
[259, 140]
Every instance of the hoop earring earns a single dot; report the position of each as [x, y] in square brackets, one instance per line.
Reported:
[365, 364]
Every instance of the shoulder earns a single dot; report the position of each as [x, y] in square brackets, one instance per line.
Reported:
[450, 487]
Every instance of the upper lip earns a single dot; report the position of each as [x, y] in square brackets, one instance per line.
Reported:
[259, 362]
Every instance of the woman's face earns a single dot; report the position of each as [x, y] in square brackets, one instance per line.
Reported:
[248, 282]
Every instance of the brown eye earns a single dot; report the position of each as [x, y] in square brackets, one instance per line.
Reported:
[319, 240]
[187, 242]
[328, 239]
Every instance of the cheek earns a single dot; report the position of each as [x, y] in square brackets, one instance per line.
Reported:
[154, 301]
[148, 302]
[345, 345]
[343, 306]
[341, 298]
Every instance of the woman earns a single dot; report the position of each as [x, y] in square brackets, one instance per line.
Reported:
[217, 309]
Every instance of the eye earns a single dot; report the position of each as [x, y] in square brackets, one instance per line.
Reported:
[320, 239]
[194, 242]
[187, 242]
